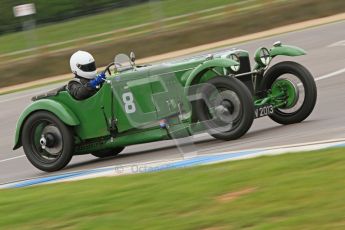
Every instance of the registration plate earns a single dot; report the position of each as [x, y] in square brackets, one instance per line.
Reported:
[263, 111]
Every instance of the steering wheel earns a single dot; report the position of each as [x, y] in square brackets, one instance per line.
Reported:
[116, 64]
[107, 69]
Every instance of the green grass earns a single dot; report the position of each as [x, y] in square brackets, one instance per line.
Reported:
[294, 191]
[104, 22]
[193, 34]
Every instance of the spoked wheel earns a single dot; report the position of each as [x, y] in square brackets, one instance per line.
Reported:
[227, 109]
[47, 141]
[108, 152]
[295, 87]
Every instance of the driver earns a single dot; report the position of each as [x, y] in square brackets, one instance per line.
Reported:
[86, 82]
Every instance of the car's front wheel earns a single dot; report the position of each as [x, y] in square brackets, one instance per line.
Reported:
[298, 89]
[48, 143]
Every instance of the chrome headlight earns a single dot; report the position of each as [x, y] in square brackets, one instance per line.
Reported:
[235, 58]
[263, 57]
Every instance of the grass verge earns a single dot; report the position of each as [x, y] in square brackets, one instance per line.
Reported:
[104, 22]
[167, 41]
[293, 191]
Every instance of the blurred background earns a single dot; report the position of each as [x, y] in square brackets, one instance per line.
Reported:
[37, 39]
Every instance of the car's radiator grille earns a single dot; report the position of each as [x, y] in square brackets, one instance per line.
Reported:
[244, 68]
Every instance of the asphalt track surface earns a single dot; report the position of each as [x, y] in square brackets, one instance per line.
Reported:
[325, 60]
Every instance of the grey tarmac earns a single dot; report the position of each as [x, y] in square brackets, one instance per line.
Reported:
[325, 59]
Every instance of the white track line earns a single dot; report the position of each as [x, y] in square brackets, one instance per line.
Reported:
[20, 97]
[40, 91]
[13, 158]
[335, 73]
[117, 170]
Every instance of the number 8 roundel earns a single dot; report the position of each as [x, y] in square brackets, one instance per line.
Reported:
[128, 100]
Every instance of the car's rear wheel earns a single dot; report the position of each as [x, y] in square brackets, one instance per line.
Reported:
[108, 152]
[48, 143]
[227, 108]
[299, 89]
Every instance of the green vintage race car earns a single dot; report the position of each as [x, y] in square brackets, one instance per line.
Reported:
[220, 94]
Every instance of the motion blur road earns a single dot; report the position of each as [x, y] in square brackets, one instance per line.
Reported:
[325, 59]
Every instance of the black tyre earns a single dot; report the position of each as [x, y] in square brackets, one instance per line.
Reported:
[48, 143]
[108, 152]
[230, 114]
[305, 87]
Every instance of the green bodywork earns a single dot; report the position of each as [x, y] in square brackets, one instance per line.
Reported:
[279, 50]
[287, 50]
[138, 101]
[283, 94]
[150, 86]
[63, 112]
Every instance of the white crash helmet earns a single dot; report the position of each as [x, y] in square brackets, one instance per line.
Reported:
[83, 64]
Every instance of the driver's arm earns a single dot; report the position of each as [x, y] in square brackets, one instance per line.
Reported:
[80, 91]
[81, 88]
